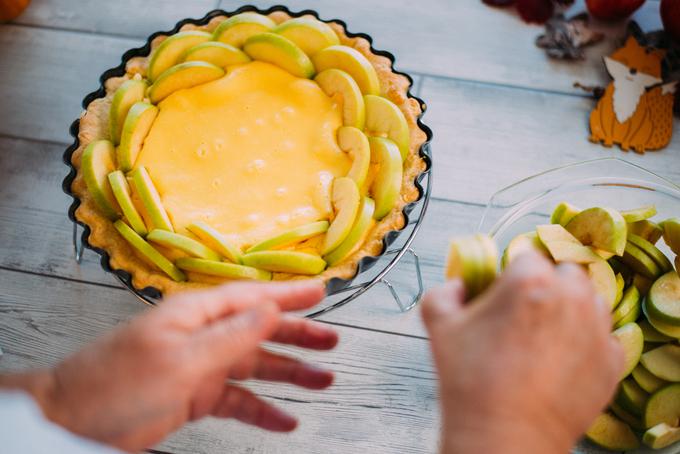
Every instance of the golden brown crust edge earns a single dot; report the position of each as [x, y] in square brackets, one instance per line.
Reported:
[103, 235]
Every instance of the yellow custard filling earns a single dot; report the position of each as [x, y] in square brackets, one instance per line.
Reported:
[252, 154]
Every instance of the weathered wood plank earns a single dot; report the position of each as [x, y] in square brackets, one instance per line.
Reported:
[384, 381]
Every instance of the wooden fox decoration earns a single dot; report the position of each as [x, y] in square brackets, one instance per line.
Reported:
[636, 111]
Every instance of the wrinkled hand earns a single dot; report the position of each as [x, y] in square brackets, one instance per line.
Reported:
[173, 365]
[528, 365]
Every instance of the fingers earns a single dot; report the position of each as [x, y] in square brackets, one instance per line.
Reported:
[443, 302]
[305, 333]
[241, 404]
[278, 368]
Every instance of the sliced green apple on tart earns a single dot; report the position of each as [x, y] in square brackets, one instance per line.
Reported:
[346, 200]
[98, 161]
[339, 85]
[602, 228]
[385, 119]
[386, 187]
[183, 243]
[362, 225]
[296, 235]
[237, 29]
[355, 143]
[121, 191]
[219, 54]
[169, 52]
[286, 262]
[353, 63]
[130, 92]
[611, 433]
[143, 186]
[222, 269]
[137, 124]
[183, 75]
[215, 240]
[309, 34]
[279, 51]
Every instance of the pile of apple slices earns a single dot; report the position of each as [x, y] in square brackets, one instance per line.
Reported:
[375, 135]
[637, 280]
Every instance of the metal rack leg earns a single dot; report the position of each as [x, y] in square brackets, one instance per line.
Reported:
[77, 244]
[407, 305]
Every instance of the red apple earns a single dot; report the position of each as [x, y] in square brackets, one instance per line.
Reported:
[613, 9]
[670, 16]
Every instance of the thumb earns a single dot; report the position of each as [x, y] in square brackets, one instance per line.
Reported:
[227, 341]
[443, 303]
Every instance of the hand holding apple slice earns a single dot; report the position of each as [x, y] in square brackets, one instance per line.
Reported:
[353, 63]
[168, 53]
[97, 162]
[129, 93]
[386, 187]
[137, 124]
[346, 200]
[339, 85]
[237, 29]
[121, 191]
[355, 143]
[279, 51]
[473, 260]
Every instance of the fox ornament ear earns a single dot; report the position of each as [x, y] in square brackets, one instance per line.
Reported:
[636, 110]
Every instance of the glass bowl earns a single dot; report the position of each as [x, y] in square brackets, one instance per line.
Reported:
[608, 182]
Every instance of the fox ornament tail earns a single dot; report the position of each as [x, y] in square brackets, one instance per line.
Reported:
[636, 112]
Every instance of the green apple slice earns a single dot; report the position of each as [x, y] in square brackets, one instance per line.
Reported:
[355, 143]
[129, 93]
[630, 317]
[565, 251]
[346, 200]
[222, 269]
[286, 262]
[643, 283]
[664, 407]
[663, 301]
[215, 240]
[520, 244]
[631, 397]
[563, 213]
[631, 339]
[137, 124]
[662, 327]
[292, 236]
[144, 187]
[386, 187]
[661, 436]
[97, 162]
[624, 415]
[664, 362]
[602, 253]
[237, 29]
[671, 233]
[183, 75]
[647, 380]
[629, 303]
[148, 251]
[619, 267]
[602, 228]
[604, 280]
[651, 334]
[169, 52]
[472, 259]
[356, 236]
[182, 243]
[620, 285]
[650, 231]
[609, 432]
[279, 51]
[550, 233]
[219, 54]
[339, 85]
[652, 251]
[353, 63]
[310, 35]
[640, 262]
[639, 214]
[121, 191]
[385, 119]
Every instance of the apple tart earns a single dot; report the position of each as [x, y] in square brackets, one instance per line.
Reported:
[254, 146]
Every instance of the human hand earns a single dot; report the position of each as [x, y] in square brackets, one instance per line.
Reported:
[528, 365]
[172, 365]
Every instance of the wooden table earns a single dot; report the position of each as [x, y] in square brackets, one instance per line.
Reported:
[499, 109]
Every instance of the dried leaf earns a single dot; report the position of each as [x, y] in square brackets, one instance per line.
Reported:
[566, 38]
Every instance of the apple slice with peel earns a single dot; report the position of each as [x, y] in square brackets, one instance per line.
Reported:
[662, 327]
[121, 191]
[624, 415]
[346, 200]
[222, 269]
[296, 235]
[643, 283]
[602, 228]
[129, 93]
[640, 262]
[664, 407]
[620, 285]
[563, 213]
[663, 301]
[148, 251]
[337, 84]
[652, 251]
[357, 235]
[664, 362]
[237, 29]
[472, 259]
[286, 262]
[519, 245]
[631, 339]
[603, 278]
[309, 34]
[215, 241]
[353, 63]
[639, 214]
[631, 397]
[169, 52]
[137, 124]
[385, 119]
[98, 161]
[671, 233]
[550, 233]
[386, 187]
[279, 51]
[630, 317]
[652, 335]
[629, 303]
[219, 54]
[145, 189]
[183, 75]
[661, 436]
[565, 251]
[647, 380]
[355, 143]
[185, 244]
[650, 231]
[609, 432]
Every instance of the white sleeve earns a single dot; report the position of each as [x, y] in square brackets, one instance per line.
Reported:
[24, 430]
